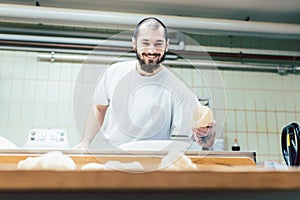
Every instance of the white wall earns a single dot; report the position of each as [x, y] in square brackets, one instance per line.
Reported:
[40, 94]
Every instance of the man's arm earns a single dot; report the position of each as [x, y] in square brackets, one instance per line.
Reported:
[93, 124]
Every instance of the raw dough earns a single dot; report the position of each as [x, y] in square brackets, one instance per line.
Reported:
[203, 116]
[30, 163]
[183, 163]
[177, 161]
[125, 166]
[54, 160]
[114, 165]
[94, 166]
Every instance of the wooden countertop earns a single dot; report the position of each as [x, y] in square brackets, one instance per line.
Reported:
[213, 173]
[208, 177]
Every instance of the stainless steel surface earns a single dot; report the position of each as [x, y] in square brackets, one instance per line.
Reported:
[273, 26]
[124, 20]
[268, 19]
[96, 152]
[267, 10]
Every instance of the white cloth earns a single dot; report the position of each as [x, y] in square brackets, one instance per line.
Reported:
[144, 108]
[6, 144]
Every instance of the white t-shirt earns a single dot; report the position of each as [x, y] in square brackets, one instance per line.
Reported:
[144, 108]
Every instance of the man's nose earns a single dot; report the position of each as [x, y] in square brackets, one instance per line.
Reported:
[152, 48]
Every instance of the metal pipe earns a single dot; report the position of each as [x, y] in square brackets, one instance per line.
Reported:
[180, 62]
[82, 41]
[237, 50]
[203, 54]
[64, 40]
[174, 38]
[127, 43]
[173, 41]
[118, 20]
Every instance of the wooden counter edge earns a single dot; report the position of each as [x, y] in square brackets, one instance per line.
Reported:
[158, 180]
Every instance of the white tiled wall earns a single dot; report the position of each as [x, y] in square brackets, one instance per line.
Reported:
[39, 94]
[35, 94]
[260, 105]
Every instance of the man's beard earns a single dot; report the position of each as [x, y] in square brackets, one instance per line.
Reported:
[150, 67]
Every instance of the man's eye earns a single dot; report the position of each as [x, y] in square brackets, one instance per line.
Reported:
[158, 44]
[145, 43]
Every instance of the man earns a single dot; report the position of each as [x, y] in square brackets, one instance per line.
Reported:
[143, 100]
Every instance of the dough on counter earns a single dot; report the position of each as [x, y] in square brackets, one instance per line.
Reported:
[54, 160]
[125, 166]
[94, 166]
[183, 163]
[30, 163]
[57, 160]
[177, 161]
[114, 165]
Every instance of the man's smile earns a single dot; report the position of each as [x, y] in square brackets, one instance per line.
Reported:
[151, 56]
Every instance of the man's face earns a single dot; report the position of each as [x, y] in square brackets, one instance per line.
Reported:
[150, 47]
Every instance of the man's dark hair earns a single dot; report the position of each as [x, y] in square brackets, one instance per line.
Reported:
[156, 21]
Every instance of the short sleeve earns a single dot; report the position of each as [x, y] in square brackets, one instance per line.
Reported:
[101, 96]
[183, 112]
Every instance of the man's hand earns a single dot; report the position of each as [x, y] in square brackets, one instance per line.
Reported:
[205, 136]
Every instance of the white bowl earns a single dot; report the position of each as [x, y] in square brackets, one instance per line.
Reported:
[155, 145]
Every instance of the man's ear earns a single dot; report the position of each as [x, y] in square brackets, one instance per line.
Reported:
[167, 45]
[133, 41]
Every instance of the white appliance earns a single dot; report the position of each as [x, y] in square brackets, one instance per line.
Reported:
[47, 139]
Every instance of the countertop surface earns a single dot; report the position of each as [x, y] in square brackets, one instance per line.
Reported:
[214, 172]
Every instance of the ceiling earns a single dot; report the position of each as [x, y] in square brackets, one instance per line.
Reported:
[287, 11]
[265, 48]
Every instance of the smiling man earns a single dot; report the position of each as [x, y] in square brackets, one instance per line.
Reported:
[142, 99]
[151, 43]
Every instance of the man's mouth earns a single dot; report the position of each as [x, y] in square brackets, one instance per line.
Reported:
[149, 61]
[151, 56]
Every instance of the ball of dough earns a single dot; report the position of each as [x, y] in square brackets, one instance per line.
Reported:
[182, 162]
[203, 116]
[125, 166]
[54, 160]
[30, 163]
[94, 166]
[114, 165]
